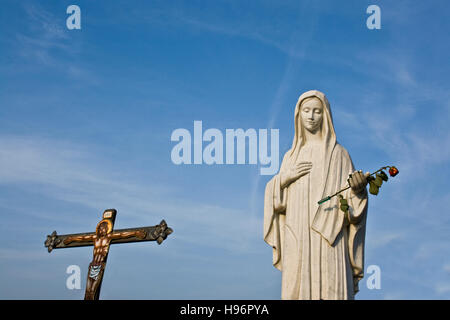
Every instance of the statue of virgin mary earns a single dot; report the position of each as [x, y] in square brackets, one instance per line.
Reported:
[318, 249]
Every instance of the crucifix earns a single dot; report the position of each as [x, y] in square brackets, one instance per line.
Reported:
[101, 239]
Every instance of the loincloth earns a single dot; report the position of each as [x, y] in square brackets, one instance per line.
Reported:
[94, 271]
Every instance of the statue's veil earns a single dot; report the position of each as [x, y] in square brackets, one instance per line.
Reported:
[328, 133]
[328, 137]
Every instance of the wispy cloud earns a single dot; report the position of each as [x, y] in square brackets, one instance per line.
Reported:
[385, 239]
[242, 23]
[8, 254]
[43, 43]
[447, 268]
[76, 174]
[45, 33]
[42, 20]
[296, 50]
[442, 288]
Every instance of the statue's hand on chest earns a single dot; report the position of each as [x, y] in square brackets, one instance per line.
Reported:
[295, 172]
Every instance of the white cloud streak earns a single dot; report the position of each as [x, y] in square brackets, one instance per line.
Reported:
[76, 174]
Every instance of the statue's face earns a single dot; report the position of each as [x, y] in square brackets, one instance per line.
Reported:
[311, 112]
[103, 229]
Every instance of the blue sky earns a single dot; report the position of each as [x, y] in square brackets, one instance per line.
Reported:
[86, 118]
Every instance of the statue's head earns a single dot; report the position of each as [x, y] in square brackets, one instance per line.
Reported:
[103, 228]
[311, 114]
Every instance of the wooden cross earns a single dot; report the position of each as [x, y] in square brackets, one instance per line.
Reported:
[101, 239]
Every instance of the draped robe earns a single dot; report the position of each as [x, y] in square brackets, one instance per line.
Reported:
[319, 249]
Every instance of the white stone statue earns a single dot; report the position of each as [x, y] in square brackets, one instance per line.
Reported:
[318, 249]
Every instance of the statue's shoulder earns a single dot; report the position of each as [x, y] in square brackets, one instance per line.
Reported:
[286, 156]
[340, 151]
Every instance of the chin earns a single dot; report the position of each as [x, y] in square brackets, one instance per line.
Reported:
[311, 129]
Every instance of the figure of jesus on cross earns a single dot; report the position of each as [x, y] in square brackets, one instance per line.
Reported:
[103, 237]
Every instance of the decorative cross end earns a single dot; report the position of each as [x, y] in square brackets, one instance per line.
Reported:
[52, 241]
[161, 232]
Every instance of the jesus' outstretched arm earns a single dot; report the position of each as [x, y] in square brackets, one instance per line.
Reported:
[141, 234]
[79, 239]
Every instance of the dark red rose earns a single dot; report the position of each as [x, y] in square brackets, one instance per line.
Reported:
[393, 171]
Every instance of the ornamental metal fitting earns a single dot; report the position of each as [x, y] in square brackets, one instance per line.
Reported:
[52, 241]
[161, 232]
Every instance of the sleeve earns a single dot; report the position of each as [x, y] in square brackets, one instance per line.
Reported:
[274, 219]
[275, 200]
[357, 214]
[357, 206]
